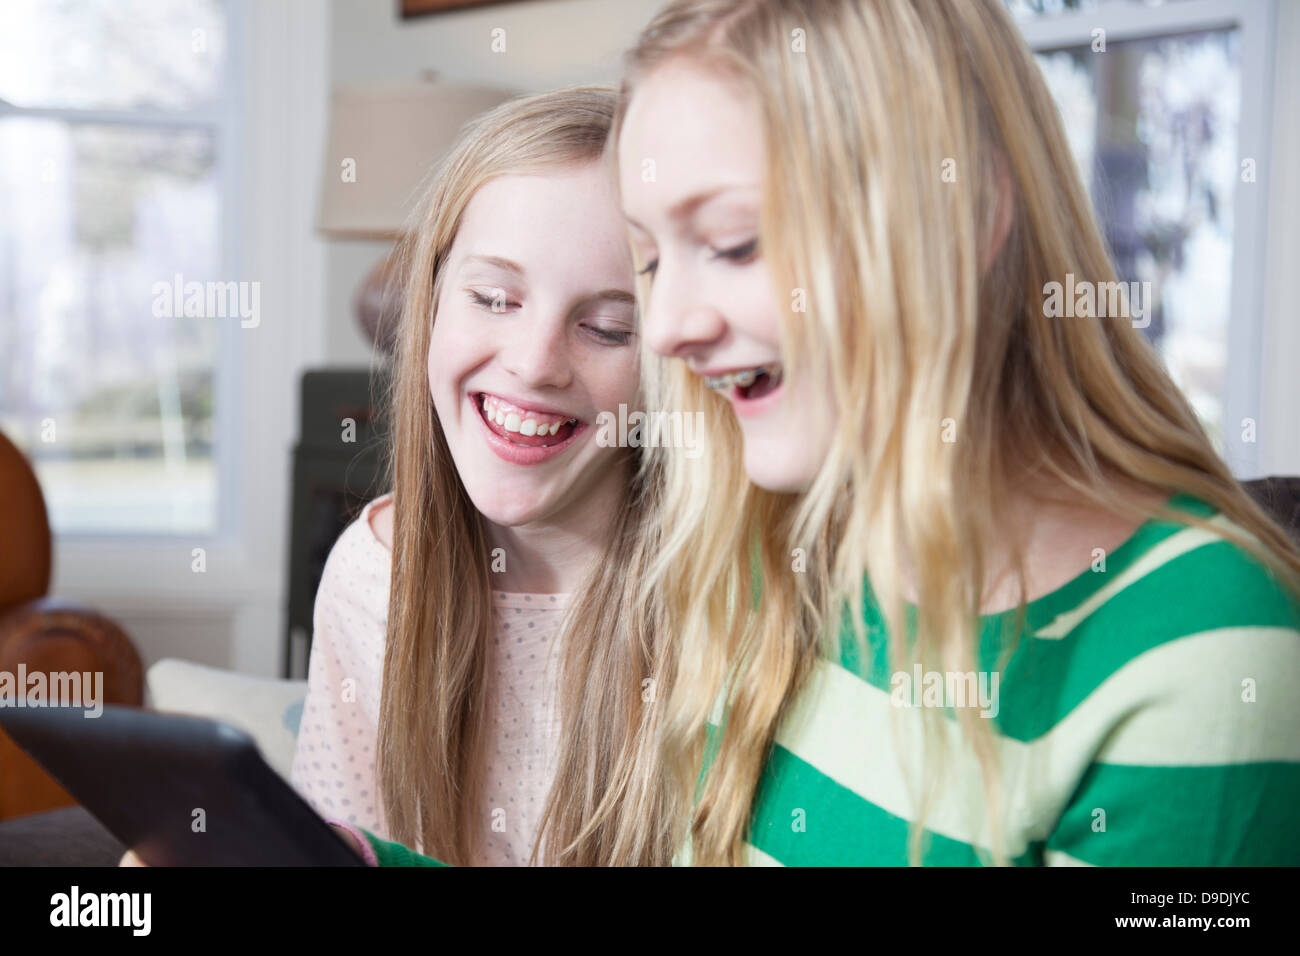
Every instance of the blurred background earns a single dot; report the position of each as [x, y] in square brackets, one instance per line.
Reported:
[149, 144]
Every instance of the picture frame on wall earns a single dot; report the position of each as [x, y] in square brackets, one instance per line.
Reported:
[421, 8]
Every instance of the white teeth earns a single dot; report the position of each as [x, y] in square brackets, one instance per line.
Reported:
[746, 378]
[515, 422]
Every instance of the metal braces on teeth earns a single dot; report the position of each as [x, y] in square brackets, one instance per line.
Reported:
[743, 378]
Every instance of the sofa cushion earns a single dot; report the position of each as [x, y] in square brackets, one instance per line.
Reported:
[265, 708]
[66, 837]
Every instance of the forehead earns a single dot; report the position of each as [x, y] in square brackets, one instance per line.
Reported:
[565, 195]
[685, 129]
[547, 220]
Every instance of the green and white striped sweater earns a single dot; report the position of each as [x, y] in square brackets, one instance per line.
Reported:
[1147, 715]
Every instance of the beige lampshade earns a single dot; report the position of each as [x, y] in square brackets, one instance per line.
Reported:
[383, 141]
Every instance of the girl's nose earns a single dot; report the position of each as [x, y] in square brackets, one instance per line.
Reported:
[538, 354]
[678, 321]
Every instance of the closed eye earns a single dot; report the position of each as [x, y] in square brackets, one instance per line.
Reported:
[610, 336]
[495, 304]
[741, 253]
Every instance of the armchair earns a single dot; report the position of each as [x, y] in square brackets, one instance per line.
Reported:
[45, 634]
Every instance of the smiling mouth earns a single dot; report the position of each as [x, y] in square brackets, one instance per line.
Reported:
[750, 383]
[524, 427]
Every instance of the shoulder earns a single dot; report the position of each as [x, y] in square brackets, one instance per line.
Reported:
[361, 542]
[381, 520]
[1175, 579]
[1179, 707]
[355, 577]
[1182, 616]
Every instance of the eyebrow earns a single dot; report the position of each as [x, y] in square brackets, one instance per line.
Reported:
[612, 295]
[685, 208]
[508, 264]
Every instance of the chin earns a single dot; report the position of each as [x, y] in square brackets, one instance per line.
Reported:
[774, 470]
[507, 511]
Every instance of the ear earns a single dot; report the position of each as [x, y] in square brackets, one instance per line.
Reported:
[994, 242]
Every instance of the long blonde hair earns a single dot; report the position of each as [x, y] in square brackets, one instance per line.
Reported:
[919, 330]
[607, 802]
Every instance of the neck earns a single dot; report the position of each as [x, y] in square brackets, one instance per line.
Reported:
[555, 556]
[1062, 536]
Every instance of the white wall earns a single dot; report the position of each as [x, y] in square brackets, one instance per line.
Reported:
[549, 43]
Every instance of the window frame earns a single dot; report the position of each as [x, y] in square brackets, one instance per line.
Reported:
[1242, 395]
[223, 121]
[233, 616]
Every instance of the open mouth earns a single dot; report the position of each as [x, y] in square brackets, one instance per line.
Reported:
[749, 384]
[525, 427]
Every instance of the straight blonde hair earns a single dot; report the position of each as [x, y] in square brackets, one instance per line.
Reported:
[607, 804]
[918, 324]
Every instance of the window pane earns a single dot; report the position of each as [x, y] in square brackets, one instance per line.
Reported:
[1039, 8]
[1050, 8]
[113, 404]
[1153, 124]
[111, 54]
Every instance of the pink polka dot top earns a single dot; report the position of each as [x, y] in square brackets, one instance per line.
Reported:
[334, 764]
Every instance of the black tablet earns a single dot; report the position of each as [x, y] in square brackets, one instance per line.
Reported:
[179, 790]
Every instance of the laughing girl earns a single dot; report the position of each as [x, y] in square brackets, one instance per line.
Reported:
[477, 678]
[846, 215]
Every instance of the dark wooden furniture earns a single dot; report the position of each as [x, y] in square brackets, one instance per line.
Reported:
[1280, 498]
[338, 465]
[46, 635]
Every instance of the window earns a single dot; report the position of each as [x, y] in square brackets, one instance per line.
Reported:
[1165, 107]
[115, 137]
